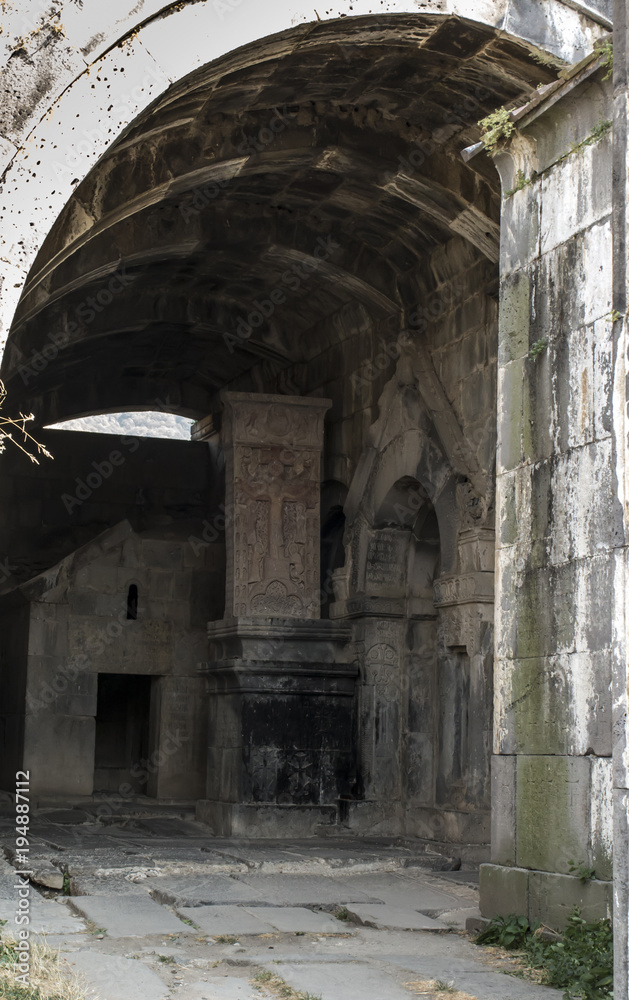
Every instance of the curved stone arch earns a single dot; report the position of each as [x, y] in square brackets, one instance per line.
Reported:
[105, 75]
[411, 456]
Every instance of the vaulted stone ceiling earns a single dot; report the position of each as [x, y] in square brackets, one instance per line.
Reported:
[322, 165]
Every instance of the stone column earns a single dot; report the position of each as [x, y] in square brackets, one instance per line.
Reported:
[282, 684]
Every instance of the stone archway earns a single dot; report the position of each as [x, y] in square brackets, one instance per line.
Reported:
[106, 68]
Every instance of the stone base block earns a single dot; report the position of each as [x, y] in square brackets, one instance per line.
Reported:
[453, 826]
[553, 897]
[372, 819]
[234, 819]
[503, 891]
[542, 896]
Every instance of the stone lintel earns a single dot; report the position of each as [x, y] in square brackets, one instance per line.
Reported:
[274, 628]
[247, 678]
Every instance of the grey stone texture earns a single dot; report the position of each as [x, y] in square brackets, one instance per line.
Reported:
[226, 919]
[340, 982]
[400, 917]
[292, 919]
[47, 916]
[115, 978]
[128, 916]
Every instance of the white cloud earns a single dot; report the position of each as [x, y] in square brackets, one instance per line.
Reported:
[144, 424]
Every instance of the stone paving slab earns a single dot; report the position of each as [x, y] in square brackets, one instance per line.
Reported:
[304, 890]
[400, 890]
[194, 890]
[227, 988]
[115, 978]
[171, 828]
[92, 862]
[105, 885]
[46, 915]
[7, 880]
[217, 920]
[383, 915]
[128, 916]
[289, 919]
[474, 978]
[342, 981]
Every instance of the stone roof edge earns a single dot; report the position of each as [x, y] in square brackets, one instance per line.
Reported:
[587, 11]
[569, 79]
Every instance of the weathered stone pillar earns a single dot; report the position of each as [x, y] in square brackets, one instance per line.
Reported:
[620, 644]
[559, 523]
[281, 725]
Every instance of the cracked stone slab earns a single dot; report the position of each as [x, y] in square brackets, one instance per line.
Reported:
[401, 890]
[289, 919]
[473, 977]
[217, 920]
[226, 988]
[106, 885]
[305, 890]
[47, 916]
[65, 817]
[335, 981]
[168, 828]
[105, 860]
[115, 978]
[203, 890]
[401, 918]
[128, 916]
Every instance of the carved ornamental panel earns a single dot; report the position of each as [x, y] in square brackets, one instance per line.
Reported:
[273, 464]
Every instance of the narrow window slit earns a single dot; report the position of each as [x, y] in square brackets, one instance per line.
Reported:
[132, 603]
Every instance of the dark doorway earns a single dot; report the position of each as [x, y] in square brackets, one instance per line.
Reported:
[122, 732]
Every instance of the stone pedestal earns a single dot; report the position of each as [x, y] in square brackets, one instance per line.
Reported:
[281, 681]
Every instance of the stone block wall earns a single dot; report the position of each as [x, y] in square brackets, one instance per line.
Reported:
[73, 627]
[558, 521]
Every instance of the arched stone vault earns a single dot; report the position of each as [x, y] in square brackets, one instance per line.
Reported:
[75, 75]
[333, 152]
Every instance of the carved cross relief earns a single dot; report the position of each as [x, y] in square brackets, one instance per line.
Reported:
[273, 458]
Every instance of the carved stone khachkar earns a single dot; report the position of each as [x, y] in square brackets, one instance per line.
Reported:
[281, 681]
[273, 458]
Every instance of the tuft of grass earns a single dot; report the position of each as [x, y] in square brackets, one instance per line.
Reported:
[278, 987]
[342, 914]
[580, 961]
[167, 959]
[521, 181]
[606, 49]
[495, 128]
[437, 989]
[190, 923]
[50, 976]
[226, 939]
